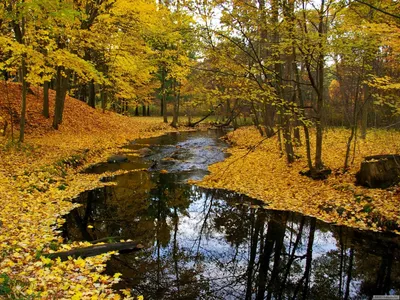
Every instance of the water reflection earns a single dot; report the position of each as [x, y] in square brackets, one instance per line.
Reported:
[212, 244]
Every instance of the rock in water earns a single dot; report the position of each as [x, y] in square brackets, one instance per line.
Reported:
[117, 159]
[379, 171]
[145, 152]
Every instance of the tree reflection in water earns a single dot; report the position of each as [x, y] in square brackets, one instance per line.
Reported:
[214, 244]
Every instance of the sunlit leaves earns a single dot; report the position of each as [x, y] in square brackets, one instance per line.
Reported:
[37, 183]
[263, 173]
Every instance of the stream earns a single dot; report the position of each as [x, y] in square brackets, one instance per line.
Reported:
[216, 244]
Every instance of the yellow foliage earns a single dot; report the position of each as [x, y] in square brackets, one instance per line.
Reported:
[32, 204]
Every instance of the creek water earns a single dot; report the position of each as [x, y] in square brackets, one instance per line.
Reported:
[216, 244]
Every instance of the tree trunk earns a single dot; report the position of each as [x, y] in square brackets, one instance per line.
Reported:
[46, 109]
[61, 92]
[23, 104]
[305, 128]
[353, 127]
[255, 118]
[175, 118]
[379, 171]
[164, 95]
[143, 110]
[319, 166]
[92, 94]
[103, 100]
[365, 111]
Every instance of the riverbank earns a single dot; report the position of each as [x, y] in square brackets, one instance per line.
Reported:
[38, 179]
[263, 173]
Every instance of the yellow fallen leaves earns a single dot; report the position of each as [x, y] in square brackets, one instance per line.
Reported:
[264, 174]
[37, 182]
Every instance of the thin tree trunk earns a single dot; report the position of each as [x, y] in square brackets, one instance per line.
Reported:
[365, 111]
[92, 94]
[320, 95]
[305, 128]
[10, 111]
[255, 119]
[103, 100]
[349, 271]
[46, 109]
[177, 93]
[353, 128]
[164, 96]
[23, 104]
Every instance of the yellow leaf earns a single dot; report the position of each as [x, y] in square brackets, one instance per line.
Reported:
[77, 296]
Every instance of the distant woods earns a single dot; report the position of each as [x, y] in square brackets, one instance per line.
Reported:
[292, 68]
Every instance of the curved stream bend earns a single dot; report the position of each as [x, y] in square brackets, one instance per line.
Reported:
[214, 244]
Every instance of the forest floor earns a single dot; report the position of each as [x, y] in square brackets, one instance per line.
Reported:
[39, 178]
[258, 169]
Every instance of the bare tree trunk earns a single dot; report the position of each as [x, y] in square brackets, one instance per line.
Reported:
[23, 103]
[365, 111]
[320, 95]
[10, 111]
[305, 128]
[177, 93]
[46, 109]
[353, 126]
[269, 119]
[92, 94]
[61, 92]
[164, 95]
[255, 118]
[103, 100]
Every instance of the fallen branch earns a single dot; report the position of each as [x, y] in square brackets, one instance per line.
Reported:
[95, 250]
[205, 117]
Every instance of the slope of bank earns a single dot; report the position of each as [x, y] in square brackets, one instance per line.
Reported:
[38, 179]
[263, 173]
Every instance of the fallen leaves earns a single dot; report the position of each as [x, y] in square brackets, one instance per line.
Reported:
[265, 175]
[39, 179]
